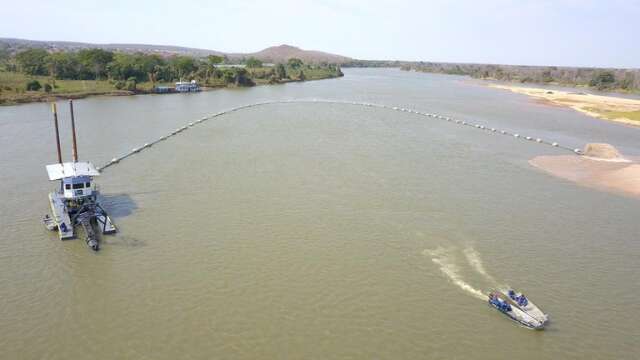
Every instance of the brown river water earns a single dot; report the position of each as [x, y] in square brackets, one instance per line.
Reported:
[318, 231]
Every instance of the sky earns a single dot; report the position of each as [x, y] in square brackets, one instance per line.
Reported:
[545, 32]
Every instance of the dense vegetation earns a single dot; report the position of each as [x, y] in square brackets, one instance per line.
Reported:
[37, 70]
[602, 79]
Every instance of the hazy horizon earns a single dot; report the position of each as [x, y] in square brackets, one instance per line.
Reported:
[561, 33]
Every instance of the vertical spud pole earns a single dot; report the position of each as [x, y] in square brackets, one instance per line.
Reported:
[73, 133]
[55, 122]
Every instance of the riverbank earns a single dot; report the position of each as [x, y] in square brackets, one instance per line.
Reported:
[618, 109]
[622, 177]
[602, 167]
[12, 85]
[626, 81]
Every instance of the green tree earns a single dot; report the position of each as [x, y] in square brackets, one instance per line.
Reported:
[228, 76]
[602, 80]
[131, 84]
[33, 85]
[237, 76]
[32, 61]
[141, 66]
[208, 69]
[295, 63]
[62, 65]
[153, 74]
[217, 73]
[281, 72]
[121, 67]
[4, 55]
[627, 82]
[204, 71]
[253, 63]
[94, 62]
[183, 65]
[214, 60]
[146, 67]
[241, 77]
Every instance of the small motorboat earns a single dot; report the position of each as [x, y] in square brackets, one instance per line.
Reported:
[508, 307]
[527, 306]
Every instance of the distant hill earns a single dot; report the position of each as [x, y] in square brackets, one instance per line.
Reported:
[15, 45]
[282, 53]
[272, 54]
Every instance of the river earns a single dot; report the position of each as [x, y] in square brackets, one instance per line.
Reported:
[318, 231]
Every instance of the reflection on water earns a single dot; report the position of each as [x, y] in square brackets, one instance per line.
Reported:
[121, 240]
[299, 230]
[119, 205]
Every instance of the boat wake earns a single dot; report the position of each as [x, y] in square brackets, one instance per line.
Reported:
[473, 258]
[504, 298]
[445, 259]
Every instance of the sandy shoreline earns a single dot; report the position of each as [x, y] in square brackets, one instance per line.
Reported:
[621, 110]
[622, 177]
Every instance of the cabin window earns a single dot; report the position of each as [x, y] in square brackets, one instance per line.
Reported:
[87, 184]
[78, 186]
[67, 186]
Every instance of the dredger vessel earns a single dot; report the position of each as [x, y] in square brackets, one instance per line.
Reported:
[75, 202]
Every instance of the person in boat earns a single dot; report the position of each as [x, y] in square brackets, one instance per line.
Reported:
[522, 300]
[505, 306]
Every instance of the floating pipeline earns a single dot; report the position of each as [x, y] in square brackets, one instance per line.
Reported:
[480, 127]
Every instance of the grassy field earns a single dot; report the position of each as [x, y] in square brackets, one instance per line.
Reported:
[12, 88]
[630, 115]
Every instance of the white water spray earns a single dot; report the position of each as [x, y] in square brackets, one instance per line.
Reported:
[444, 259]
[473, 258]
